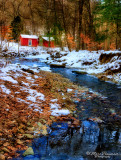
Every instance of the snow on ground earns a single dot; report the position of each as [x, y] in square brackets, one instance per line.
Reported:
[83, 60]
[69, 90]
[36, 107]
[36, 76]
[35, 94]
[4, 89]
[13, 49]
[10, 73]
[26, 84]
[88, 62]
[56, 111]
[4, 72]
[8, 78]
[54, 100]
[24, 94]
[54, 106]
[45, 69]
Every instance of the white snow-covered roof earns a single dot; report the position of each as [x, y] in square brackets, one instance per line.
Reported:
[47, 38]
[29, 36]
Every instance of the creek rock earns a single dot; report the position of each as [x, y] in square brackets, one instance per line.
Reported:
[59, 126]
[79, 72]
[29, 151]
[31, 157]
[90, 127]
[58, 65]
[88, 63]
[59, 133]
[6, 53]
[39, 145]
[56, 55]
[38, 142]
[90, 132]
[28, 70]
[35, 53]
[96, 119]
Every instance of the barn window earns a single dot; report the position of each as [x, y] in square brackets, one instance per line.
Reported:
[30, 42]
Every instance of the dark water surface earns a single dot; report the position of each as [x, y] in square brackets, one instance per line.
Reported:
[92, 141]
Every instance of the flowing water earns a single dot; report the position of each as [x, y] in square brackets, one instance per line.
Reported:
[91, 141]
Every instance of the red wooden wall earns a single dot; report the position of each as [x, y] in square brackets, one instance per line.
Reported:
[25, 42]
[46, 44]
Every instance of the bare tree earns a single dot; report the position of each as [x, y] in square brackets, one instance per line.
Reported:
[80, 8]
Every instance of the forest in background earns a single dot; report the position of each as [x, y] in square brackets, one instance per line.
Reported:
[78, 24]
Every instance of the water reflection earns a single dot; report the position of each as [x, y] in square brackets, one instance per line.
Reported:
[91, 138]
[85, 143]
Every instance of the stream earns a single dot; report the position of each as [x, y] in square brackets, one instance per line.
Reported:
[92, 140]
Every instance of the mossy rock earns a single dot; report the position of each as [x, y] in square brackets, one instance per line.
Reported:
[29, 151]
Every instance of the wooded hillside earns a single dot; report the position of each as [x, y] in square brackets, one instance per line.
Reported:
[79, 24]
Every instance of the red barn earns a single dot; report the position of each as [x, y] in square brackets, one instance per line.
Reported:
[29, 40]
[48, 42]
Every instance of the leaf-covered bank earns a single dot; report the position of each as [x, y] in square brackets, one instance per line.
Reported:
[30, 102]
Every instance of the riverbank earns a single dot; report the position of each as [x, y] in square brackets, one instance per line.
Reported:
[105, 65]
[31, 100]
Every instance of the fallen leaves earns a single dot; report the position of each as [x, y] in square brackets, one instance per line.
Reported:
[2, 157]
[18, 141]
[21, 118]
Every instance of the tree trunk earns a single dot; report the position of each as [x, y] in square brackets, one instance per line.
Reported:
[81, 3]
[74, 22]
[32, 17]
[55, 21]
[91, 32]
[118, 37]
[64, 24]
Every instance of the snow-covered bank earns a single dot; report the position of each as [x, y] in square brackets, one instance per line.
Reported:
[15, 50]
[106, 65]
[13, 74]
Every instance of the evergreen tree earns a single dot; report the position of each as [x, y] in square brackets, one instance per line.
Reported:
[17, 27]
[109, 11]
